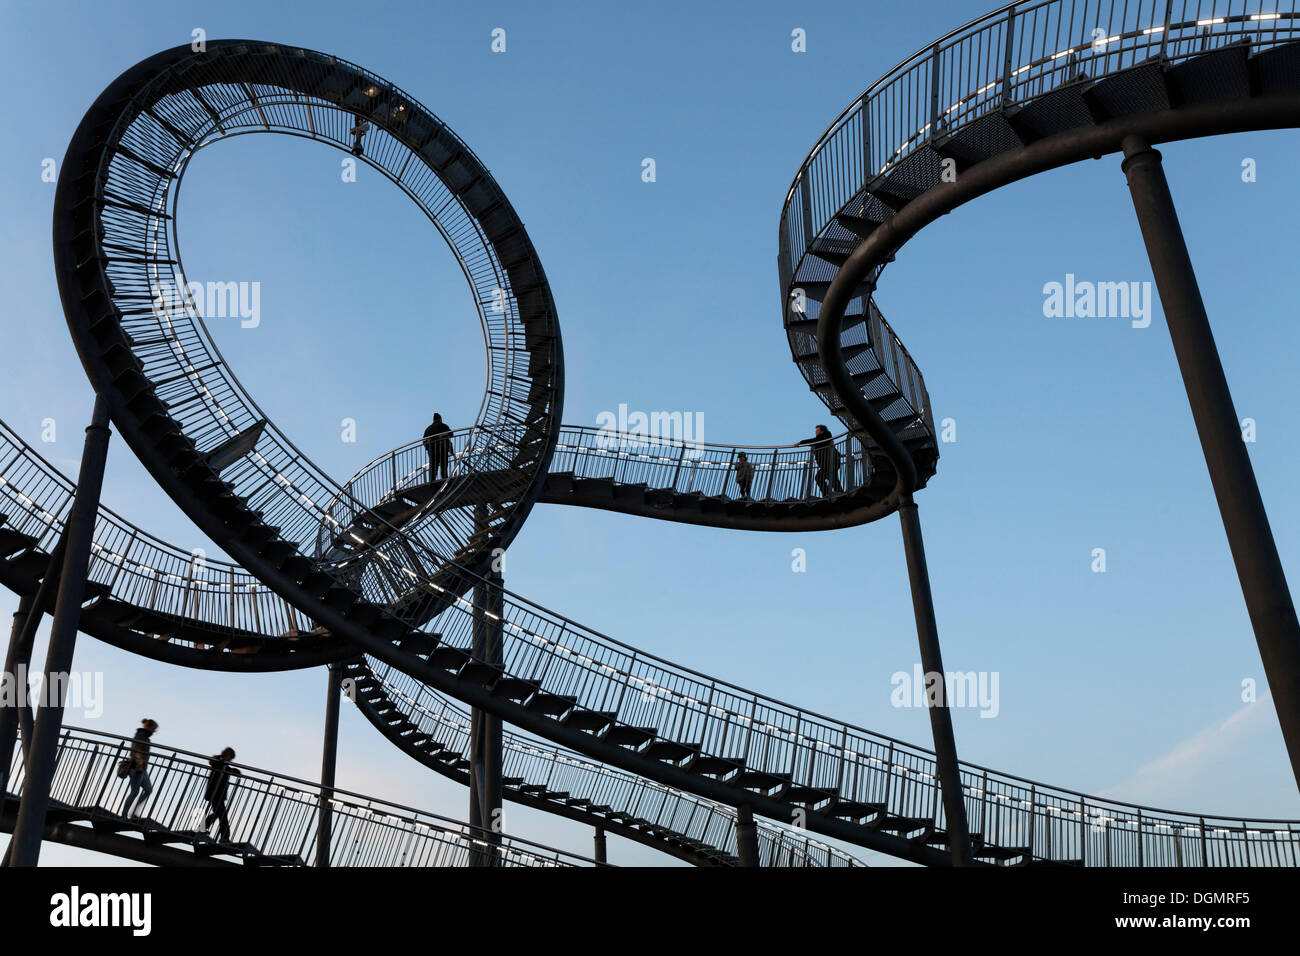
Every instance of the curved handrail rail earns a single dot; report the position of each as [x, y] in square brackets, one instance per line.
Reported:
[1001, 59]
[274, 813]
[578, 776]
[995, 62]
[135, 566]
[780, 472]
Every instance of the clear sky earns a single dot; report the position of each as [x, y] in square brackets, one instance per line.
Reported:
[1071, 434]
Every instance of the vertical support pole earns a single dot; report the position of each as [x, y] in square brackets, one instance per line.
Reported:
[746, 836]
[492, 730]
[21, 654]
[601, 854]
[1259, 569]
[927, 631]
[30, 825]
[485, 749]
[328, 763]
[17, 658]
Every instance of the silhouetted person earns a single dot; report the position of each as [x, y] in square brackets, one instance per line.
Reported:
[437, 442]
[827, 458]
[137, 777]
[359, 130]
[215, 791]
[744, 473]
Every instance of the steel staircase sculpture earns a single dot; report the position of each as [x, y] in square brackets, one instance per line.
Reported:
[154, 599]
[1030, 87]
[435, 732]
[272, 817]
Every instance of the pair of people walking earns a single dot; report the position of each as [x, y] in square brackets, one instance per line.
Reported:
[825, 456]
[139, 787]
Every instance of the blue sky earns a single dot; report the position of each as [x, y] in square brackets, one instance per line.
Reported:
[1072, 434]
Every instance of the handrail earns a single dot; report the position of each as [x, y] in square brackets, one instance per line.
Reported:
[534, 760]
[806, 715]
[1006, 61]
[15, 452]
[277, 810]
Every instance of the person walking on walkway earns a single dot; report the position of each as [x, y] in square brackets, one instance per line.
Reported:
[827, 459]
[215, 792]
[437, 442]
[744, 474]
[138, 784]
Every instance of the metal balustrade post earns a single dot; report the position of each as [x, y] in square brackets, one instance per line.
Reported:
[328, 762]
[889, 778]
[91, 761]
[1033, 817]
[746, 836]
[927, 631]
[805, 195]
[681, 454]
[1250, 538]
[934, 92]
[1007, 55]
[30, 825]
[1083, 833]
[867, 168]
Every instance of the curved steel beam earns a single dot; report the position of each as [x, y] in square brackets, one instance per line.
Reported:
[1232, 116]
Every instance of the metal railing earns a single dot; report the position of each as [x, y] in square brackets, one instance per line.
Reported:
[150, 574]
[560, 770]
[780, 473]
[134, 567]
[270, 814]
[479, 471]
[197, 102]
[996, 62]
[846, 763]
